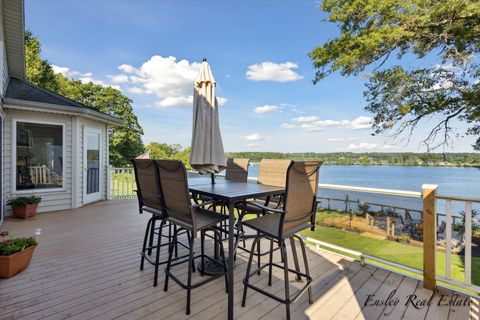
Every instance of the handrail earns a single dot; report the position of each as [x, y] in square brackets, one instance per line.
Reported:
[393, 192]
[403, 193]
[457, 198]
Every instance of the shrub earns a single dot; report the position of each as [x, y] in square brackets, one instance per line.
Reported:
[363, 206]
[23, 201]
[404, 237]
[389, 211]
[11, 246]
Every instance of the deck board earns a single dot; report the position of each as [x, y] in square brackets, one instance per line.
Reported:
[87, 267]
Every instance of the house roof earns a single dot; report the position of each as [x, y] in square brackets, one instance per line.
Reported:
[23, 93]
[14, 30]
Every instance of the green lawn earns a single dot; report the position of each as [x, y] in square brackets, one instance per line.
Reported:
[390, 250]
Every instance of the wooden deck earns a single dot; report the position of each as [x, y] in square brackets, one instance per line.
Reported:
[87, 267]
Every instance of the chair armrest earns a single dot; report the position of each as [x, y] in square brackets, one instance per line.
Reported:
[265, 207]
[203, 204]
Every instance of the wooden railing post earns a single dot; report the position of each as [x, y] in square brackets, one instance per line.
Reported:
[429, 235]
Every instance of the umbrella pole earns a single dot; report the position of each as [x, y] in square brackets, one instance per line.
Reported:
[213, 178]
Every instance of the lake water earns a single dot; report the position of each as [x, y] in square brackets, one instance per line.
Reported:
[453, 181]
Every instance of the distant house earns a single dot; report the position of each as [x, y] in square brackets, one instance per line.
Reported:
[51, 146]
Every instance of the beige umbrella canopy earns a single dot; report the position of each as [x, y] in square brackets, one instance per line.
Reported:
[207, 154]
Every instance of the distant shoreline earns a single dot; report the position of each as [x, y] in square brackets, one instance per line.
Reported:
[389, 165]
[405, 159]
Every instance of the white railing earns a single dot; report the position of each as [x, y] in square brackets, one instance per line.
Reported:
[465, 238]
[122, 183]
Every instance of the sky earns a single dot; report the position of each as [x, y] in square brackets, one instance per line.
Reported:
[258, 53]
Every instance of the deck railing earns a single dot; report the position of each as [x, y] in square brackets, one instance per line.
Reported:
[122, 186]
[466, 224]
[122, 183]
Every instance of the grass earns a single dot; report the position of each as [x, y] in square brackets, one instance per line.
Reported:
[390, 250]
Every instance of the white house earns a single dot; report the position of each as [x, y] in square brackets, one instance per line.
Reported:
[52, 146]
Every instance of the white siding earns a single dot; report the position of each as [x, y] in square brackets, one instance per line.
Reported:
[52, 200]
[3, 88]
[3, 57]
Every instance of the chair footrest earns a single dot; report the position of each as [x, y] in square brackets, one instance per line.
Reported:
[256, 253]
[293, 298]
[152, 262]
[196, 285]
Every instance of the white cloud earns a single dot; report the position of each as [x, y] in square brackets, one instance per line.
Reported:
[126, 68]
[310, 127]
[270, 71]
[83, 77]
[221, 101]
[388, 146]
[174, 102]
[167, 78]
[254, 137]
[305, 119]
[366, 146]
[311, 123]
[253, 145]
[266, 109]
[341, 139]
[363, 146]
[295, 109]
[289, 126]
[361, 122]
[135, 90]
[119, 78]
[63, 70]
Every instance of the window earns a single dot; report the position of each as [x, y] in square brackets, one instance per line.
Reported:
[39, 156]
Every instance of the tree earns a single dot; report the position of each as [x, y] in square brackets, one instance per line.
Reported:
[126, 140]
[159, 150]
[38, 71]
[375, 35]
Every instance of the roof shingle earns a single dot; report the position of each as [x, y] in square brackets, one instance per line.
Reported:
[22, 90]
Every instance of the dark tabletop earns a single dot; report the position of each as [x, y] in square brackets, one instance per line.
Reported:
[230, 190]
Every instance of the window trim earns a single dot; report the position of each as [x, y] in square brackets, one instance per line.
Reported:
[14, 157]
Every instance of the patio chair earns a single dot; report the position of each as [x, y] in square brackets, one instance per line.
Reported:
[272, 172]
[441, 230]
[237, 169]
[149, 200]
[179, 210]
[282, 224]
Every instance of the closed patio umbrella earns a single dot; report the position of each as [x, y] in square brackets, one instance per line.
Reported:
[207, 154]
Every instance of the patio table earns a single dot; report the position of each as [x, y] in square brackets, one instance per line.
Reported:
[231, 192]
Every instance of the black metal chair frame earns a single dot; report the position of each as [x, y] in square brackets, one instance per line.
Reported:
[280, 239]
[284, 258]
[191, 257]
[191, 265]
[151, 230]
[283, 251]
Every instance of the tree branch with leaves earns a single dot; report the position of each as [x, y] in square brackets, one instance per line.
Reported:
[375, 35]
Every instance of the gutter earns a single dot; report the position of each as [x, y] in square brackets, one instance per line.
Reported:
[27, 105]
